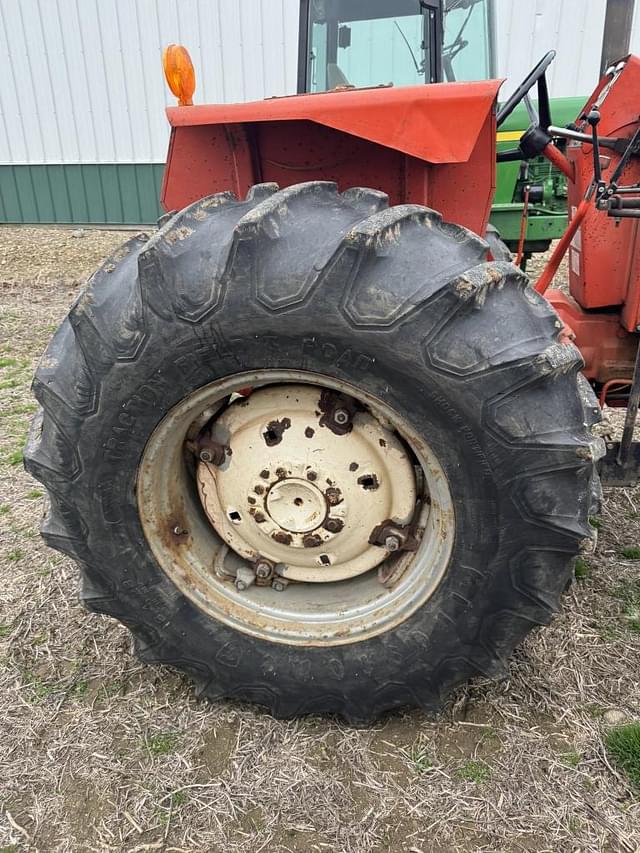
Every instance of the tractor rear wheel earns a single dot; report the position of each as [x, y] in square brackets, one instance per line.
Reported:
[316, 452]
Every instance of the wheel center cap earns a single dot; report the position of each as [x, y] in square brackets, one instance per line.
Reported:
[296, 505]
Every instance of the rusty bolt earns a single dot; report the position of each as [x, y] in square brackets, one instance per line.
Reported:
[263, 570]
[392, 543]
[279, 584]
[333, 496]
[334, 525]
[282, 537]
[341, 417]
[212, 451]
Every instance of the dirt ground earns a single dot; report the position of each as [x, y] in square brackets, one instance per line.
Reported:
[100, 753]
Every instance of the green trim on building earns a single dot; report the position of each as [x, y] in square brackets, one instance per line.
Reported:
[81, 194]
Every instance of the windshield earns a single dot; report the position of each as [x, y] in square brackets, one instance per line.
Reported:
[467, 50]
[361, 43]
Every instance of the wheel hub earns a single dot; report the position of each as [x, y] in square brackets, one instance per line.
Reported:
[296, 506]
[305, 482]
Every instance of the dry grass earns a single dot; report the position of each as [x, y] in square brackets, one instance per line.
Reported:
[99, 753]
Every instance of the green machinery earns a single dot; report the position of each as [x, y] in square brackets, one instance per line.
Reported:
[361, 43]
[547, 208]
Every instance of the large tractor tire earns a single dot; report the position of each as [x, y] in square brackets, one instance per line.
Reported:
[316, 452]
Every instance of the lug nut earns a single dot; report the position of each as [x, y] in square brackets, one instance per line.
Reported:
[279, 584]
[392, 543]
[334, 525]
[212, 451]
[341, 417]
[263, 570]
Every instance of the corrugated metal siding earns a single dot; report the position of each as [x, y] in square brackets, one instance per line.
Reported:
[527, 30]
[104, 194]
[83, 78]
[635, 30]
[83, 86]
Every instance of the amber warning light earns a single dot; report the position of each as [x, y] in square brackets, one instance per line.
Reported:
[180, 74]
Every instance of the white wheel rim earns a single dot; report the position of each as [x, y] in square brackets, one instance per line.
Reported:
[186, 511]
[299, 494]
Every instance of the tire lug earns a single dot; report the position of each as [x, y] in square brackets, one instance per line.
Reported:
[279, 584]
[341, 417]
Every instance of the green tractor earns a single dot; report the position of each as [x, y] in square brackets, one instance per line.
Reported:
[363, 43]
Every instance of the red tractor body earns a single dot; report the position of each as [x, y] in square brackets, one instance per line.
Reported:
[431, 145]
[435, 146]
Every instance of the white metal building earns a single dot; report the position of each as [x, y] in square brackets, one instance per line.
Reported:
[83, 134]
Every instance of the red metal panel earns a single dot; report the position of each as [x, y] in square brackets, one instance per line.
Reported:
[294, 151]
[607, 349]
[463, 192]
[209, 158]
[203, 160]
[439, 123]
[604, 257]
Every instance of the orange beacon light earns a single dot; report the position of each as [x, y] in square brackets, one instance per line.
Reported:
[179, 72]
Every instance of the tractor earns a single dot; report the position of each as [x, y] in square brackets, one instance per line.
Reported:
[313, 441]
[371, 43]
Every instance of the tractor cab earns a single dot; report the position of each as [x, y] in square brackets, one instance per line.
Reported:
[365, 43]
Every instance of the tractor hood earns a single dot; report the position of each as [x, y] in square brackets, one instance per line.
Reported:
[438, 123]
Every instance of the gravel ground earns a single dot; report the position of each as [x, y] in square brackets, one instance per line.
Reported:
[99, 753]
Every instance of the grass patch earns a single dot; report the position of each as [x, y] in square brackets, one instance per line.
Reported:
[474, 771]
[15, 554]
[79, 689]
[582, 569]
[5, 509]
[179, 798]
[34, 493]
[628, 592]
[9, 383]
[16, 457]
[8, 362]
[419, 756]
[23, 409]
[40, 688]
[631, 553]
[572, 758]
[595, 522]
[5, 630]
[162, 743]
[623, 745]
